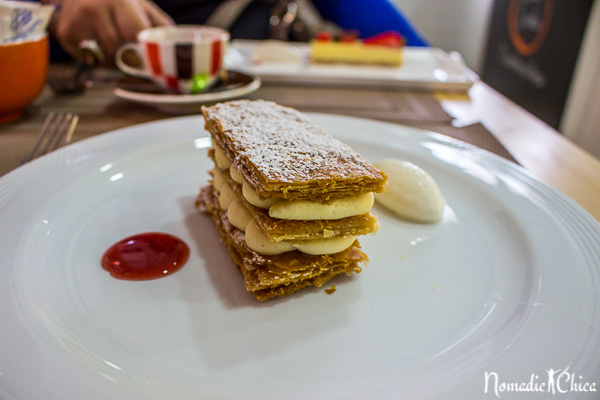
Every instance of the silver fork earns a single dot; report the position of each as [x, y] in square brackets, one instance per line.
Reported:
[56, 132]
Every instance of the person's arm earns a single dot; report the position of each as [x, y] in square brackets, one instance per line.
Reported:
[109, 22]
[369, 18]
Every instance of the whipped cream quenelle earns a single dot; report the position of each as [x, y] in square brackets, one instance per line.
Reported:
[411, 192]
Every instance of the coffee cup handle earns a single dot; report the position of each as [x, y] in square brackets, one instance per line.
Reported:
[126, 68]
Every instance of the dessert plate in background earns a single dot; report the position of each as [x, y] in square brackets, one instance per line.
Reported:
[506, 286]
[425, 68]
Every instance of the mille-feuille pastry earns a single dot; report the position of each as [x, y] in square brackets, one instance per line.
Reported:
[287, 198]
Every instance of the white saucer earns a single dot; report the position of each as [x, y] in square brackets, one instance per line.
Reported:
[191, 103]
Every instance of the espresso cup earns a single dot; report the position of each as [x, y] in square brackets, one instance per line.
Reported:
[181, 58]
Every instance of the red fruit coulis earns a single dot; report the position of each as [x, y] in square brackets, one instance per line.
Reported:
[145, 256]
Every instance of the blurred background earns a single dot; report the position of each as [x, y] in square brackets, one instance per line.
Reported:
[558, 82]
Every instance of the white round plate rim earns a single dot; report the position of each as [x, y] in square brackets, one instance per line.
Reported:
[60, 368]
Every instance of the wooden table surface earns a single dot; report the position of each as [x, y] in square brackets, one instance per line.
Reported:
[537, 147]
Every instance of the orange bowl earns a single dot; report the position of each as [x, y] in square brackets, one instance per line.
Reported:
[23, 69]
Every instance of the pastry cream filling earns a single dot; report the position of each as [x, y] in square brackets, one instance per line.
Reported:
[238, 216]
[226, 197]
[258, 241]
[252, 198]
[220, 158]
[311, 210]
[324, 246]
[226, 193]
[255, 238]
[218, 179]
[236, 175]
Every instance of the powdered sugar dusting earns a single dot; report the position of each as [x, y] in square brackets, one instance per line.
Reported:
[285, 145]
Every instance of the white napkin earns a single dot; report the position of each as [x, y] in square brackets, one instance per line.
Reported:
[22, 21]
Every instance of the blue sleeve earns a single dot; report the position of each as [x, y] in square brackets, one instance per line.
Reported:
[369, 17]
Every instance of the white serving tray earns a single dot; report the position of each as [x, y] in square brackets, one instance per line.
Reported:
[423, 68]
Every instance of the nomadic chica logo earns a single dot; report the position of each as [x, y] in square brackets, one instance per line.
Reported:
[528, 24]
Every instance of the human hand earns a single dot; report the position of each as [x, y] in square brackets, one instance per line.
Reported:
[108, 22]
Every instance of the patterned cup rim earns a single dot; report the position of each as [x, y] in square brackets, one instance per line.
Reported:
[183, 34]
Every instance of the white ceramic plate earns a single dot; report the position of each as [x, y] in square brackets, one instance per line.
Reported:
[188, 103]
[423, 68]
[506, 286]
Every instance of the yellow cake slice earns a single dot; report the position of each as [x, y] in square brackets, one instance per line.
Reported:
[383, 49]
